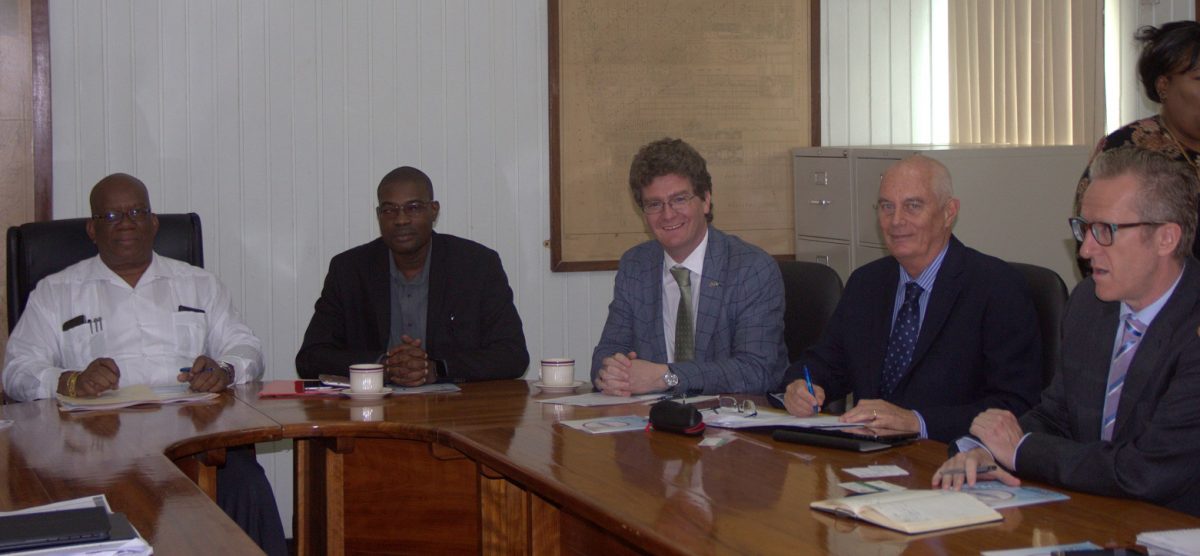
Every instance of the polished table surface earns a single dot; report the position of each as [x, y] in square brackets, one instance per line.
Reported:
[491, 470]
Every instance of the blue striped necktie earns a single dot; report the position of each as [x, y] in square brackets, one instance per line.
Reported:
[1116, 374]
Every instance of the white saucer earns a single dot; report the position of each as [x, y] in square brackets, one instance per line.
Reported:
[548, 388]
[368, 395]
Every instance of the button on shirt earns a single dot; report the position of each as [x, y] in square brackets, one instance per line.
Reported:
[176, 313]
[410, 302]
[670, 291]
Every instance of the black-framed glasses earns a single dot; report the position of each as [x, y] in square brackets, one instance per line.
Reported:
[1102, 232]
[677, 203]
[410, 209]
[729, 403]
[114, 216]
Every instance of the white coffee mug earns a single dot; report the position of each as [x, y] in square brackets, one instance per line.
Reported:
[558, 371]
[366, 378]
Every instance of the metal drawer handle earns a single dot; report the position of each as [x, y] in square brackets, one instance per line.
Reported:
[821, 202]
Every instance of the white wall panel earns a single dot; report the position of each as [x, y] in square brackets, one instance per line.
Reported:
[274, 120]
[1133, 103]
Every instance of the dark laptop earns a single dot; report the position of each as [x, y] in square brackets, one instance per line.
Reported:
[855, 439]
[56, 528]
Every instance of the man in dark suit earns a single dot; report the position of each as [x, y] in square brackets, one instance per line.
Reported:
[431, 307]
[927, 338]
[1121, 417]
[694, 310]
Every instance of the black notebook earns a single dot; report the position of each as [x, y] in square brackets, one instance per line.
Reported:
[855, 439]
[55, 528]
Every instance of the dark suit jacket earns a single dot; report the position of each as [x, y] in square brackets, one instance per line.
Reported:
[1155, 448]
[471, 323]
[739, 320]
[979, 345]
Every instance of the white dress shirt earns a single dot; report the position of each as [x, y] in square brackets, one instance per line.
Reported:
[176, 313]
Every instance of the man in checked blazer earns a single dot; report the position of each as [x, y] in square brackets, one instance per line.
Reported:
[690, 273]
[1134, 434]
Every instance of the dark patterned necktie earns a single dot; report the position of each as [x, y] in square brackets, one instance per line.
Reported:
[684, 342]
[903, 339]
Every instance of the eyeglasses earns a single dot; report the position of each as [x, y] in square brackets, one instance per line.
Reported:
[113, 216]
[1103, 232]
[727, 403]
[678, 203]
[912, 207]
[410, 209]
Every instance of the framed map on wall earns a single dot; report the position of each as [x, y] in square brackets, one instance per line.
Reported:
[734, 78]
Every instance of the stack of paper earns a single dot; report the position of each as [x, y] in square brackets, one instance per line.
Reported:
[123, 538]
[133, 395]
[1171, 543]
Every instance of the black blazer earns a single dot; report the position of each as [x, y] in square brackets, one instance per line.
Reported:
[471, 323]
[1156, 443]
[979, 345]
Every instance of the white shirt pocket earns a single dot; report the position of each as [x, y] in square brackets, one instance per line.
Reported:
[191, 331]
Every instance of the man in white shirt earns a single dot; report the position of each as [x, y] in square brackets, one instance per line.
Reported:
[129, 316]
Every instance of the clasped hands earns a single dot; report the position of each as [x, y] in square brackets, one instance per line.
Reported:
[103, 374]
[624, 375]
[408, 364]
[875, 413]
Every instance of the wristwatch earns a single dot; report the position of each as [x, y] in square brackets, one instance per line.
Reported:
[228, 368]
[671, 379]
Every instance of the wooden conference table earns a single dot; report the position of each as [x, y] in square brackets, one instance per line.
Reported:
[489, 470]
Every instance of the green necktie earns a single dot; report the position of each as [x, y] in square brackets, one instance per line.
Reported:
[684, 343]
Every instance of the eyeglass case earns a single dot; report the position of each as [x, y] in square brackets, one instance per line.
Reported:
[676, 417]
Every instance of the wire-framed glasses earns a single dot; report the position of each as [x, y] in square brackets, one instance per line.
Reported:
[731, 404]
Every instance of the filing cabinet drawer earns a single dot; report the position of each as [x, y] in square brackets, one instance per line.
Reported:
[831, 254]
[823, 197]
[868, 173]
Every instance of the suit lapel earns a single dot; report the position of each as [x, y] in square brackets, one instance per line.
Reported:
[715, 259]
[946, 288]
[436, 303]
[879, 330]
[1099, 351]
[653, 293]
[379, 293]
[1147, 362]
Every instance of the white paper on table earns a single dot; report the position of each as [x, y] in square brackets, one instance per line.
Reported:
[436, 388]
[136, 546]
[771, 418]
[870, 487]
[876, 471]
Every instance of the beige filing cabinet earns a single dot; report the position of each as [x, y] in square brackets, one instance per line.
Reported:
[1015, 201]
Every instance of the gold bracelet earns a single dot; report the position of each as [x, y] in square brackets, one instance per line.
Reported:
[71, 383]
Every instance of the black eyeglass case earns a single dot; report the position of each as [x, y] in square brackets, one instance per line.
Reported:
[676, 417]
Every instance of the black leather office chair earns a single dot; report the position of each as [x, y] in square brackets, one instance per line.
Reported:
[39, 249]
[811, 292]
[1050, 300]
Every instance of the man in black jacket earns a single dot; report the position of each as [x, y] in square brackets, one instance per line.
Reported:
[431, 307]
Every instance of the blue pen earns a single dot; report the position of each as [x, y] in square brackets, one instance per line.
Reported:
[808, 379]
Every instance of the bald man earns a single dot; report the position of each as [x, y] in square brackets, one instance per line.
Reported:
[129, 316]
[931, 335]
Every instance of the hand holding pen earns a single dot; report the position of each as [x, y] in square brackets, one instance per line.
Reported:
[803, 399]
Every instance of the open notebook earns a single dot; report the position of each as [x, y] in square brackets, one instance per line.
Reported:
[913, 511]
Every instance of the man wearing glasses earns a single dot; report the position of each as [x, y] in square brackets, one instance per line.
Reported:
[129, 316]
[694, 310]
[431, 307]
[927, 338]
[1120, 418]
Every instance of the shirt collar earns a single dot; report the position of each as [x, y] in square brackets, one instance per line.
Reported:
[694, 261]
[1150, 312]
[927, 276]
